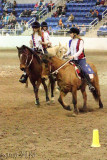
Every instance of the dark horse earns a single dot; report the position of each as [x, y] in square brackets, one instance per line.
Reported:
[69, 82]
[31, 63]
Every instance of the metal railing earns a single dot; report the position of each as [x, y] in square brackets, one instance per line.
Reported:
[104, 14]
[12, 32]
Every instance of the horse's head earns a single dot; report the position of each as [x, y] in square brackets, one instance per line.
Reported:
[25, 55]
[46, 66]
[61, 50]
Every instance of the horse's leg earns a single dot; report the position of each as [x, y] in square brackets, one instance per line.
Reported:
[83, 91]
[52, 81]
[36, 87]
[46, 90]
[74, 99]
[26, 85]
[60, 99]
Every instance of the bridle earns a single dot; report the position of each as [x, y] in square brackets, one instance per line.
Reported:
[28, 65]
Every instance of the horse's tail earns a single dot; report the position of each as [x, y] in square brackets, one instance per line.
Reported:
[96, 95]
[96, 92]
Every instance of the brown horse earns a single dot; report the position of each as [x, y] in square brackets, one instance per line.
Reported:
[31, 63]
[69, 82]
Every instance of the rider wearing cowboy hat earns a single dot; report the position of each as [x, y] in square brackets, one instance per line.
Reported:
[45, 37]
[76, 53]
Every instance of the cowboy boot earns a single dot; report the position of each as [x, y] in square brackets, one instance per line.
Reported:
[23, 78]
[88, 80]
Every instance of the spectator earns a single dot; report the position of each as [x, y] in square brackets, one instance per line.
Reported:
[60, 23]
[63, 12]
[29, 13]
[14, 4]
[36, 5]
[33, 13]
[95, 13]
[65, 7]
[24, 13]
[11, 17]
[89, 14]
[62, 26]
[70, 18]
[40, 3]
[14, 12]
[97, 3]
[6, 18]
[102, 2]
[68, 26]
[50, 6]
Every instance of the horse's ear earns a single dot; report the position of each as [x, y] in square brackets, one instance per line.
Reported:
[17, 47]
[59, 44]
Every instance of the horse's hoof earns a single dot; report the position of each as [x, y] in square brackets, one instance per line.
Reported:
[52, 99]
[37, 103]
[68, 108]
[76, 112]
[48, 102]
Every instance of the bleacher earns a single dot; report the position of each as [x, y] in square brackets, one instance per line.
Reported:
[79, 10]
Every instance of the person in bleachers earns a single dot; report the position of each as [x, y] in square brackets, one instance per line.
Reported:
[6, 18]
[33, 13]
[29, 13]
[63, 13]
[76, 53]
[40, 3]
[50, 6]
[14, 4]
[34, 44]
[45, 37]
[89, 14]
[97, 3]
[70, 18]
[64, 7]
[60, 23]
[102, 2]
[11, 17]
[63, 26]
[24, 13]
[14, 12]
[68, 26]
[95, 13]
[36, 5]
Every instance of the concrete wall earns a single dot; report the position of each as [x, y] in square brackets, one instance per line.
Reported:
[89, 43]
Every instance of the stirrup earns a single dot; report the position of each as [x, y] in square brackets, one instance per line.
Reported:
[91, 88]
[23, 79]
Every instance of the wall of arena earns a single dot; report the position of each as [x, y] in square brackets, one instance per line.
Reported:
[11, 42]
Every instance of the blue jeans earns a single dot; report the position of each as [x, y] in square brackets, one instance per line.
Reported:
[84, 66]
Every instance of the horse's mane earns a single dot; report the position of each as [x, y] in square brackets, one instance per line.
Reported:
[32, 52]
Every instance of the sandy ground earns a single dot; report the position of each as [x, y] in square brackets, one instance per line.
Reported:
[48, 132]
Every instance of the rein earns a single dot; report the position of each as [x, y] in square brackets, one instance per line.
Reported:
[56, 71]
[29, 62]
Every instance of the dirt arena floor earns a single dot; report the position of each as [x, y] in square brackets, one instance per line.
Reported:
[48, 132]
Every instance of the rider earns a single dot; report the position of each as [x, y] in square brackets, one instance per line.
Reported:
[45, 37]
[35, 43]
[76, 53]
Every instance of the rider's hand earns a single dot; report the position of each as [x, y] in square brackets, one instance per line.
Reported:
[40, 42]
[71, 57]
